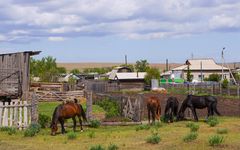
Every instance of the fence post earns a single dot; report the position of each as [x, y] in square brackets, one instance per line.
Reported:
[34, 110]
[25, 111]
[238, 91]
[20, 115]
[11, 115]
[15, 118]
[5, 115]
[89, 105]
[1, 109]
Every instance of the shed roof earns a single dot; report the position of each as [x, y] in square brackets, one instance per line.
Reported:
[128, 76]
[195, 64]
[30, 52]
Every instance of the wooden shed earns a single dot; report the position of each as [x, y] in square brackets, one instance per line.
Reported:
[15, 74]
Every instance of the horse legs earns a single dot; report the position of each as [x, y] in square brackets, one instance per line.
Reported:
[74, 124]
[194, 113]
[149, 115]
[62, 125]
[153, 111]
[214, 107]
[80, 121]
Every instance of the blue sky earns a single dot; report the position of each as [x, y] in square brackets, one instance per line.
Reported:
[106, 30]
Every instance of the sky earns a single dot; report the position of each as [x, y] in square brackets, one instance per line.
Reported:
[107, 30]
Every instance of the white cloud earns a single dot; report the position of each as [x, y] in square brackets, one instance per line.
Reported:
[56, 39]
[56, 20]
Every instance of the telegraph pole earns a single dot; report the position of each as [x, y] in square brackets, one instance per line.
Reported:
[222, 62]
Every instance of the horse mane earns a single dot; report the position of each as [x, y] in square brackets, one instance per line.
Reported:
[55, 115]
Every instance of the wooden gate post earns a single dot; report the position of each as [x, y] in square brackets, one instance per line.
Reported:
[89, 105]
[34, 110]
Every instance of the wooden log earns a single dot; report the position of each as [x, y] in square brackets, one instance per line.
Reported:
[89, 105]
[1, 109]
[34, 110]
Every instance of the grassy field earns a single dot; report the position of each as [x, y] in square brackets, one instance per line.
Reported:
[126, 137]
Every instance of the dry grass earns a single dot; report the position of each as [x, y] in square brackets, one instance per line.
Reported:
[128, 138]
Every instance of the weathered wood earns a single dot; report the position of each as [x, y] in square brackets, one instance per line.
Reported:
[25, 117]
[34, 110]
[89, 105]
[1, 110]
[5, 115]
[11, 115]
[20, 116]
[15, 114]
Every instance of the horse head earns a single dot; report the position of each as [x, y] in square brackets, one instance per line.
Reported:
[54, 128]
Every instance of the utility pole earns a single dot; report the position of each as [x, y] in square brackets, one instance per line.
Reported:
[126, 60]
[222, 62]
[201, 72]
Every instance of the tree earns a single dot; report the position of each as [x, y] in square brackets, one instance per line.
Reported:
[62, 70]
[189, 75]
[142, 66]
[46, 69]
[213, 77]
[152, 73]
[75, 71]
[128, 65]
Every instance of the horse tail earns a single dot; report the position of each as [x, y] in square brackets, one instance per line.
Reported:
[83, 113]
[215, 108]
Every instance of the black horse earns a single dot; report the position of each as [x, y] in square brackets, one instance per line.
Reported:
[171, 109]
[66, 111]
[198, 102]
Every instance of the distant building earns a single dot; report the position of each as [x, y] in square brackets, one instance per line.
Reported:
[125, 74]
[200, 69]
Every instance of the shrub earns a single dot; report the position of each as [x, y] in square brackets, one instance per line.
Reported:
[225, 83]
[158, 124]
[91, 134]
[113, 147]
[190, 137]
[143, 127]
[71, 135]
[9, 130]
[215, 140]
[111, 107]
[94, 123]
[154, 139]
[164, 119]
[194, 128]
[44, 120]
[212, 121]
[32, 130]
[12, 131]
[222, 131]
[97, 147]
[189, 124]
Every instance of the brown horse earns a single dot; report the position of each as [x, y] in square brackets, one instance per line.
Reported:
[66, 111]
[154, 108]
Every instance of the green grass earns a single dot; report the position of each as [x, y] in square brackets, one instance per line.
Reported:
[126, 137]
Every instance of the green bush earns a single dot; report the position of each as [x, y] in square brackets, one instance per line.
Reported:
[164, 119]
[194, 128]
[97, 147]
[212, 121]
[94, 123]
[12, 131]
[9, 130]
[215, 140]
[158, 124]
[153, 139]
[71, 135]
[189, 124]
[225, 83]
[222, 131]
[32, 130]
[113, 147]
[143, 127]
[91, 134]
[190, 137]
[110, 106]
[44, 120]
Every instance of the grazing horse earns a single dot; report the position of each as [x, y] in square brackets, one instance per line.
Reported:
[154, 108]
[198, 102]
[171, 109]
[66, 111]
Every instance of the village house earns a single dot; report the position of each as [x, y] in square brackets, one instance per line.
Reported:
[200, 69]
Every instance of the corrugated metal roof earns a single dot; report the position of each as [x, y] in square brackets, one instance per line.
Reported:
[30, 52]
[195, 64]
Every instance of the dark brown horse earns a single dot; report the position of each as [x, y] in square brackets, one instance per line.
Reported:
[66, 111]
[198, 102]
[154, 108]
[171, 109]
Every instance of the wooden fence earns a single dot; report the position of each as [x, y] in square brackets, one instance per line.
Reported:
[57, 95]
[16, 114]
